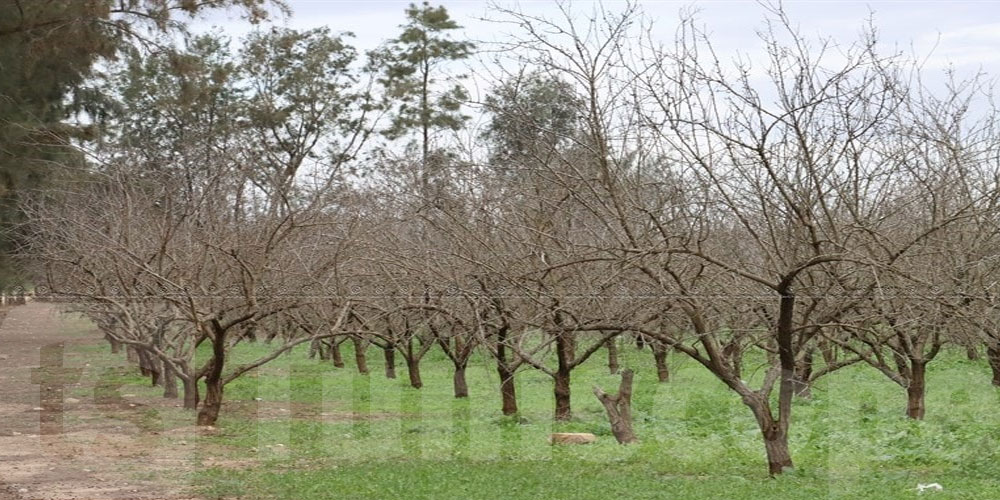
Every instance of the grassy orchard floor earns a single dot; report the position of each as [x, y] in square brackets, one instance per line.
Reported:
[324, 432]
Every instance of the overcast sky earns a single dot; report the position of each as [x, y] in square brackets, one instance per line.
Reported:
[966, 34]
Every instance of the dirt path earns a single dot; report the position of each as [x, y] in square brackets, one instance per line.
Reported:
[61, 438]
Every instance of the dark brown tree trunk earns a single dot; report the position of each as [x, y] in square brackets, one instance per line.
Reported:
[778, 456]
[803, 370]
[660, 356]
[915, 391]
[562, 394]
[116, 346]
[191, 397]
[612, 346]
[338, 359]
[169, 382]
[148, 368]
[209, 412]
[389, 353]
[155, 378]
[508, 392]
[461, 387]
[413, 369]
[359, 355]
[619, 409]
[972, 353]
[993, 356]
[562, 378]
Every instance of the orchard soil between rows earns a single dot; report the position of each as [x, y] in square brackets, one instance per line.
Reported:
[57, 446]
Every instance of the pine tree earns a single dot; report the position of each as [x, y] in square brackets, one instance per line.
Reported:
[413, 71]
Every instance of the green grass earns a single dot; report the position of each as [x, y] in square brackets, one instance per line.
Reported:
[324, 432]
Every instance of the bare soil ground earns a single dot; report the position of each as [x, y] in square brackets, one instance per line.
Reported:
[55, 446]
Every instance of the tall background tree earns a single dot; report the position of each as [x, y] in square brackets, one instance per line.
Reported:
[413, 74]
[48, 52]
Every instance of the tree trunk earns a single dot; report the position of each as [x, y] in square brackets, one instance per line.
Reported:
[314, 348]
[169, 382]
[562, 378]
[191, 397]
[803, 371]
[915, 391]
[660, 356]
[461, 387]
[972, 353]
[619, 409]
[389, 353]
[993, 356]
[508, 392]
[209, 412]
[413, 369]
[562, 394]
[778, 456]
[132, 356]
[640, 341]
[359, 355]
[148, 368]
[155, 378]
[829, 351]
[116, 346]
[338, 359]
[612, 346]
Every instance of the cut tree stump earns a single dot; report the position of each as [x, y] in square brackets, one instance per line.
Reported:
[619, 408]
[572, 438]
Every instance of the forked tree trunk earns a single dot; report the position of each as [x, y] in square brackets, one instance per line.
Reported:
[660, 357]
[389, 353]
[169, 382]
[915, 391]
[148, 367]
[209, 412]
[612, 346]
[619, 409]
[993, 356]
[338, 359]
[461, 387]
[775, 435]
[778, 456]
[359, 355]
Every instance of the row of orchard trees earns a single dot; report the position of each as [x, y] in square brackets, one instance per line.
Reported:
[820, 208]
